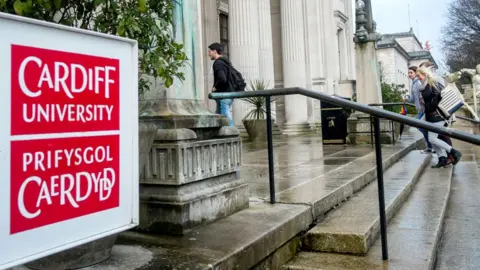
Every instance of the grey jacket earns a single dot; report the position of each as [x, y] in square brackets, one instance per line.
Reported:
[415, 95]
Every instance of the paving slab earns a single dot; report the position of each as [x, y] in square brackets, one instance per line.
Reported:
[460, 248]
[413, 234]
[353, 227]
[237, 242]
[329, 189]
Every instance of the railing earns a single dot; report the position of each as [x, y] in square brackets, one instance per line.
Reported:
[468, 119]
[346, 104]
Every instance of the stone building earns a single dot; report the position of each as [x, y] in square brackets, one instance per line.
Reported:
[396, 52]
[285, 43]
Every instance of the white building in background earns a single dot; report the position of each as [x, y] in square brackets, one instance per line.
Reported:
[289, 43]
[396, 52]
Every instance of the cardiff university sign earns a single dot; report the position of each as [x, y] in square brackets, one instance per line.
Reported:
[69, 138]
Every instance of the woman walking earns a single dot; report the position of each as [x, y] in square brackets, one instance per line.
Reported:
[430, 97]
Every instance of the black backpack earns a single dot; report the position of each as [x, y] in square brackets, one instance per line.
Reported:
[235, 78]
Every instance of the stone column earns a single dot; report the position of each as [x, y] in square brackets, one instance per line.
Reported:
[265, 53]
[368, 77]
[330, 50]
[349, 38]
[191, 174]
[265, 42]
[211, 34]
[342, 46]
[309, 36]
[293, 52]
[244, 46]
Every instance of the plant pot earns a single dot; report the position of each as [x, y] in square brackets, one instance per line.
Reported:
[256, 129]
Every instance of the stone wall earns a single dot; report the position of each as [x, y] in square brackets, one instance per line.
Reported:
[409, 44]
[401, 66]
[387, 58]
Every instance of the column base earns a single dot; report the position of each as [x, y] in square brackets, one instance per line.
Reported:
[191, 177]
[176, 210]
[298, 129]
[359, 130]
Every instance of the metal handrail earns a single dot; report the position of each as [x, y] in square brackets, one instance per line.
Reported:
[377, 113]
[413, 105]
[468, 119]
[456, 134]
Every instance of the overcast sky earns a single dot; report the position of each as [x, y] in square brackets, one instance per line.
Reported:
[392, 17]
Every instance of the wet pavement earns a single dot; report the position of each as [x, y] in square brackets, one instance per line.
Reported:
[460, 246]
[304, 161]
[413, 234]
[310, 179]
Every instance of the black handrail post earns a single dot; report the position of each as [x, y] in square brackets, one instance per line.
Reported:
[393, 131]
[371, 130]
[271, 175]
[381, 195]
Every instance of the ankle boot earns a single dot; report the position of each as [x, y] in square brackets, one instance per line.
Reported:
[456, 156]
[442, 162]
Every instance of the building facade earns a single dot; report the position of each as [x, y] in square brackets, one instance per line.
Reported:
[286, 43]
[396, 52]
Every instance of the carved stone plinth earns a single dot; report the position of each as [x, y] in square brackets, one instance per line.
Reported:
[359, 127]
[188, 182]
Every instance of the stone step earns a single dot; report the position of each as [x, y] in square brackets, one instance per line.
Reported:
[413, 234]
[276, 132]
[264, 236]
[459, 246]
[353, 227]
[330, 189]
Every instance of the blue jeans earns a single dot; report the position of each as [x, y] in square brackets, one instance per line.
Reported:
[223, 107]
[424, 132]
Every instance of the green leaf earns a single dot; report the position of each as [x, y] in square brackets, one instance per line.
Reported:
[57, 3]
[168, 81]
[18, 7]
[142, 5]
[97, 3]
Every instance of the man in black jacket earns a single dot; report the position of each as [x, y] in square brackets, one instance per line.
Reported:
[221, 79]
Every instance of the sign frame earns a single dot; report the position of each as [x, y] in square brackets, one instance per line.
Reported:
[128, 181]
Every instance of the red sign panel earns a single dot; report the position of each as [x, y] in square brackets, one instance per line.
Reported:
[53, 180]
[54, 91]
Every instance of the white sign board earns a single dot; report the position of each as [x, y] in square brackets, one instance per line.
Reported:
[68, 138]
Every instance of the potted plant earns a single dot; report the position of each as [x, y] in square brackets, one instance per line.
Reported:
[255, 121]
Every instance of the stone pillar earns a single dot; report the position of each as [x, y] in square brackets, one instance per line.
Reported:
[265, 53]
[211, 34]
[368, 77]
[330, 51]
[342, 46]
[349, 38]
[244, 46]
[192, 172]
[265, 42]
[293, 52]
[314, 55]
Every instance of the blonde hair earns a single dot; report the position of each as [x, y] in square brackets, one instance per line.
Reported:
[424, 71]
